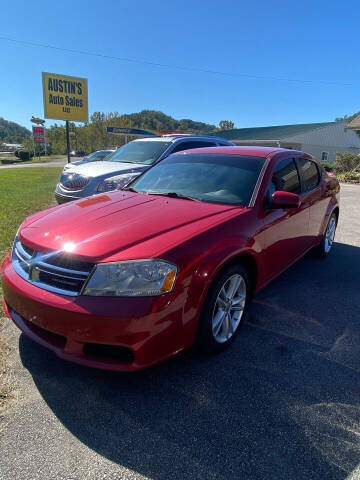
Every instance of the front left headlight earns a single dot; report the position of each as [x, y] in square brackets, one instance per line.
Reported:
[134, 278]
[115, 183]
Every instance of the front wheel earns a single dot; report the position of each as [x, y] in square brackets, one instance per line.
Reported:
[326, 244]
[224, 310]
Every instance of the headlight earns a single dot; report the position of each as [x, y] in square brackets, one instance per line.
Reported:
[115, 183]
[136, 278]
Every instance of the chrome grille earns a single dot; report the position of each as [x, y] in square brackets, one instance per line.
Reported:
[73, 181]
[55, 271]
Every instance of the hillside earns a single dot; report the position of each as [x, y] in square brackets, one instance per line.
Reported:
[155, 120]
[11, 132]
[92, 136]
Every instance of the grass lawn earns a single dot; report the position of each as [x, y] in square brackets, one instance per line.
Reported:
[22, 192]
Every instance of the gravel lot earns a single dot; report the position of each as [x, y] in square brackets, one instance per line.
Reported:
[282, 403]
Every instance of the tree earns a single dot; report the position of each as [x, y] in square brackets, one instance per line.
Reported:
[347, 117]
[226, 125]
[11, 132]
[92, 135]
[346, 162]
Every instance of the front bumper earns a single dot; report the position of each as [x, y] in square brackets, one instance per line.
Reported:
[149, 329]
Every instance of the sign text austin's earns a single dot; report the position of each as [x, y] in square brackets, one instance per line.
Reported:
[65, 98]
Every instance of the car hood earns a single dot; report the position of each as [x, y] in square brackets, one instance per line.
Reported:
[96, 169]
[121, 225]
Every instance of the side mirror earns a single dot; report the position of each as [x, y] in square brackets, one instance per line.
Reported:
[281, 199]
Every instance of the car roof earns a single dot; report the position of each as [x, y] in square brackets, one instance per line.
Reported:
[187, 136]
[239, 150]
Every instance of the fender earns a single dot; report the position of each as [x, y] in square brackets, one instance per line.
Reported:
[333, 204]
[209, 266]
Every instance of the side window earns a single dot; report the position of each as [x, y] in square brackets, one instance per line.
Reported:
[309, 173]
[285, 178]
[188, 145]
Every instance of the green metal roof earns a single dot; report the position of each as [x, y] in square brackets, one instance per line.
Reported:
[277, 132]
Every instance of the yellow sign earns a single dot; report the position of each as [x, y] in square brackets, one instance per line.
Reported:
[65, 98]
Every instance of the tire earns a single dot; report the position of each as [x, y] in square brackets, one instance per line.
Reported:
[218, 326]
[323, 250]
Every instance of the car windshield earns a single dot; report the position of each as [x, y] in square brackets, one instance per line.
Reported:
[146, 152]
[97, 155]
[214, 178]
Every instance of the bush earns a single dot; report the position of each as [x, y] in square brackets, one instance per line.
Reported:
[48, 151]
[25, 155]
[327, 167]
[352, 177]
[345, 162]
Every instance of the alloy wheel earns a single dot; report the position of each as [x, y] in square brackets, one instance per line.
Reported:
[229, 308]
[330, 234]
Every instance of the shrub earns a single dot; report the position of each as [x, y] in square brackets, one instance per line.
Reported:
[25, 155]
[352, 177]
[328, 167]
[48, 151]
[345, 162]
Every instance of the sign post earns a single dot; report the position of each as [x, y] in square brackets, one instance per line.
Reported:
[68, 140]
[65, 98]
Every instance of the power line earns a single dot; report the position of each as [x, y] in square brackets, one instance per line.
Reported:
[167, 65]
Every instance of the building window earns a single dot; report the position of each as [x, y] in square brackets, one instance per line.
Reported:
[324, 156]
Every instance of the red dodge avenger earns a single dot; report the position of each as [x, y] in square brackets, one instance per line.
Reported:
[125, 280]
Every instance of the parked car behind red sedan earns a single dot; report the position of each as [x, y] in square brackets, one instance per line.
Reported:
[125, 280]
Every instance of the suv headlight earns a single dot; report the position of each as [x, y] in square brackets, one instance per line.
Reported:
[115, 183]
[134, 278]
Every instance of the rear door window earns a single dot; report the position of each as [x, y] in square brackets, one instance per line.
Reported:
[309, 173]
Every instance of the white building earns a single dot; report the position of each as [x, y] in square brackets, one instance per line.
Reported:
[10, 147]
[322, 140]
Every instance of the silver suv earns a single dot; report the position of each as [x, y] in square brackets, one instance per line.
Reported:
[125, 164]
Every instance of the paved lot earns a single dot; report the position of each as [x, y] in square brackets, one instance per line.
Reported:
[282, 403]
[55, 163]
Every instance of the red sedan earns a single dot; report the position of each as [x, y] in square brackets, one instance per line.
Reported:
[125, 280]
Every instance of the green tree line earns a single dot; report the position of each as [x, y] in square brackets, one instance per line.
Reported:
[92, 136]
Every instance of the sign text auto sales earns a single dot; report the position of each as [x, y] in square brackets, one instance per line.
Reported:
[65, 97]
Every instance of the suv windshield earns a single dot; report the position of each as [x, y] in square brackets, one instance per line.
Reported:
[211, 178]
[139, 152]
[98, 155]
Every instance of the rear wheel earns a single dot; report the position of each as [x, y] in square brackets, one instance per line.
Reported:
[224, 310]
[326, 244]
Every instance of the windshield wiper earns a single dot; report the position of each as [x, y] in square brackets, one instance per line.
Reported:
[174, 195]
[130, 189]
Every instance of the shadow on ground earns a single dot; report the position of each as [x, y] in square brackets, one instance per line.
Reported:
[282, 402]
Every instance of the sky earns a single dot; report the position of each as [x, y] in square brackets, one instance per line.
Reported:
[280, 62]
